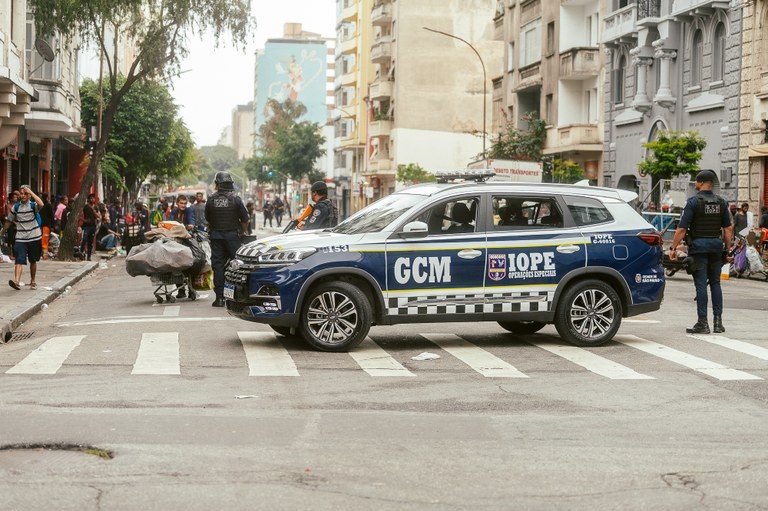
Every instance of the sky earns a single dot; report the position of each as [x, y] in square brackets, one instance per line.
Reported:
[215, 80]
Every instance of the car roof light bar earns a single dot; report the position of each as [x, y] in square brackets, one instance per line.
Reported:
[479, 176]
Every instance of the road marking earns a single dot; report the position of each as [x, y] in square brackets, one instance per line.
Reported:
[483, 362]
[713, 369]
[377, 362]
[643, 321]
[49, 357]
[592, 362]
[145, 319]
[158, 354]
[172, 311]
[735, 345]
[266, 355]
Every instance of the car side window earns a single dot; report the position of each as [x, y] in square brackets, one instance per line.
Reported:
[458, 216]
[587, 211]
[514, 213]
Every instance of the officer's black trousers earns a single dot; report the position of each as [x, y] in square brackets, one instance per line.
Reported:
[224, 246]
[706, 271]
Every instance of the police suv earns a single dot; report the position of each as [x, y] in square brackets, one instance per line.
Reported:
[523, 255]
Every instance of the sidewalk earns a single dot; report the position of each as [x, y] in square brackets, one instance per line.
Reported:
[53, 277]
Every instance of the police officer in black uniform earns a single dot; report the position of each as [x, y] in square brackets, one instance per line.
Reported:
[324, 214]
[707, 221]
[227, 222]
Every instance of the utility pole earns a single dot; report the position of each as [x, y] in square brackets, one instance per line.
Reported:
[485, 84]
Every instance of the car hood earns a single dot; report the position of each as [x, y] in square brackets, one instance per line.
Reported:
[298, 240]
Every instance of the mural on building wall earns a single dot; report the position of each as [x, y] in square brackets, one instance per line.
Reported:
[295, 72]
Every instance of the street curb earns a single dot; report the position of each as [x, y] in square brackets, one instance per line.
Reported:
[32, 305]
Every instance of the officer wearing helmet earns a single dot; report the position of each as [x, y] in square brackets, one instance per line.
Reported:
[707, 222]
[324, 214]
[227, 221]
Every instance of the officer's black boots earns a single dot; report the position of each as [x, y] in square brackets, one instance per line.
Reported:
[220, 303]
[717, 325]
[701, 327]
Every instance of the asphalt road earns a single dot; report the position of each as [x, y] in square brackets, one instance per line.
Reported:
[658, 421]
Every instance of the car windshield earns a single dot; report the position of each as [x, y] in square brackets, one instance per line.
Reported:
[378, 215]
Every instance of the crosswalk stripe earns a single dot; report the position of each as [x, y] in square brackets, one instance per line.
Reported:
[592, 362]
[735, 345]
[266, 356]
[701, 365]
[483, 362]
[49, 357]
[377, 362]
[158, 354]
[172, 311]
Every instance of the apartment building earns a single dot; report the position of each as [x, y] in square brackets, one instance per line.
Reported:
[674, 65]
[753, 153]
[242, 130]
[553, 69]
[16, 92]
[426, 101]
[353, 73]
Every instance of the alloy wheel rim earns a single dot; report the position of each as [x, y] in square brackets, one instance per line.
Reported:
[592, 313]
[332, 317]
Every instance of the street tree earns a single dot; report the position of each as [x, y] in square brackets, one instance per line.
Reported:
[566, 171]
[413, 173]
[673, 153]
[147, 133]
[159, 30]
[523, 145]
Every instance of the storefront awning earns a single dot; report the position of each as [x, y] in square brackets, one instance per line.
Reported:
[758, 151]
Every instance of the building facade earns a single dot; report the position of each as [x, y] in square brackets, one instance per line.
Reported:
[553, 69]
[426, 101]
[674, 65]
[242, 130]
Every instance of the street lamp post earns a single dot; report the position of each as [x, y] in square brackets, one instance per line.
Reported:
[485, 82]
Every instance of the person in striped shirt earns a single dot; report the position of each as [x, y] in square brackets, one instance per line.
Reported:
[24, 214]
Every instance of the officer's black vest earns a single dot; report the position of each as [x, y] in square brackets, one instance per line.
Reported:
[708, 217]
[333, 215]
[224, 212]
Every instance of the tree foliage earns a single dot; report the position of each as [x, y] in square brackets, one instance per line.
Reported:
[566, 171]
[673, 153]
[414, 174]
[523, 145]
[219, 158]
[159, 31]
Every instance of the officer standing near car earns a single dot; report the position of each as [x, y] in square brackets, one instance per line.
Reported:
[708, 222]
[227, 222]
[324, 213]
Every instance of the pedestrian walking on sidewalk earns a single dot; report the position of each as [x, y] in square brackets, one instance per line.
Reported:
[89, 227]
[198, 209]
[25, 215]
[707, 219]
[267, 210]
[279, 209]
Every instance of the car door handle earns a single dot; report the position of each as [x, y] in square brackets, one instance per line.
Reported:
[568, 249]
[470, 254]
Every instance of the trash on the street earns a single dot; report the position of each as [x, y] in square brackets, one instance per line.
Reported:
[246, 396]
[44, 306]
[48, 288]
[426, 356]
[5, 259]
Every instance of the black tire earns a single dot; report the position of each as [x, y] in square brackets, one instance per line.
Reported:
[282, 330]
[192, 294]
[159, 299]
[522, 327]
[584, 318]
[346, 308]
[170, 299]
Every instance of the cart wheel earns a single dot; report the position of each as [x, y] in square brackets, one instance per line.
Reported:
[159, 299]
[171, 299]
[192, 294]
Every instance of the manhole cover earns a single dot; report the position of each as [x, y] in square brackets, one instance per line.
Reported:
[20, 336]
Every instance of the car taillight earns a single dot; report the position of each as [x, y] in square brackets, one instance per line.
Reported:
[654, 239]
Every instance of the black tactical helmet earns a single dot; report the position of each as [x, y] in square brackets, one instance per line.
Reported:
[320, 187]
[706, 176]
[223, 180]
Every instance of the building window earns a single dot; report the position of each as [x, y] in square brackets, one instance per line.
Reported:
[619, 80]
[718, 53]
[549, 109]
[696, 53]
[551, 38]
[530, 40]
[593, 29]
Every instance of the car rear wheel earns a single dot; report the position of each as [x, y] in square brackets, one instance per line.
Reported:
[589, 313]
[522, 327]
[285, 331]
[335, 317]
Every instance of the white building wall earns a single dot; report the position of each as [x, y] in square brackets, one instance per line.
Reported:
[434, 150]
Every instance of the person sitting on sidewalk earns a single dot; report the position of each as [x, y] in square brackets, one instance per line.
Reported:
[106, 238]
[25, 215]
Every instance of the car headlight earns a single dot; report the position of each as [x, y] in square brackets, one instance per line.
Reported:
[285, 256]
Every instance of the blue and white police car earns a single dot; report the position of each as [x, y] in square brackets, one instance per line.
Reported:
[523, 255]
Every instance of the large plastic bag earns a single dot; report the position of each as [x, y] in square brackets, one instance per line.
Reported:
[162, 256]
[755, 261]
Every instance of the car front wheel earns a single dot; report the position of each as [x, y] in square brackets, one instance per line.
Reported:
[589, 313]
[335, 317]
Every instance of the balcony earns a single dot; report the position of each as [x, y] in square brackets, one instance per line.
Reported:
[579, 63]
[378, 129]
[685, 8]
[380, 163]
[381, 52]
[349, 46]
[574, 137]
[349, 13]
[381, 90]
[350, 78]
[530, 77]
[620, 25]
[381, 15]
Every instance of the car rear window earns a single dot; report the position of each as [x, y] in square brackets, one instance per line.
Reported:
[586, 211]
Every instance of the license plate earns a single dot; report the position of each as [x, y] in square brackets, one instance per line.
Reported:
[229, 291]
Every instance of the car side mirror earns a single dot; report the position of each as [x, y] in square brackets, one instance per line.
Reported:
[415, 230]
